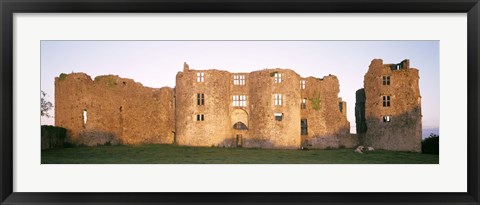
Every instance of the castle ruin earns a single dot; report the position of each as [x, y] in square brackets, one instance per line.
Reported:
[388, 108]
[115, 109]
[270, 108]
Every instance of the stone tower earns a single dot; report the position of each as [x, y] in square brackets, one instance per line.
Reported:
[392, 102]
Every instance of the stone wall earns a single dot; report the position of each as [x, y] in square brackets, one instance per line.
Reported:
[118, 110]
[266, 131]
[221, 115]
[402, 130]
[326, 123]
[215, 127]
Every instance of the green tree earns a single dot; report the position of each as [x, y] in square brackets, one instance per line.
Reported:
[430, 145]
[45, 105]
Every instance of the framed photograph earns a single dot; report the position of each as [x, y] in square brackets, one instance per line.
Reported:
[239, 102]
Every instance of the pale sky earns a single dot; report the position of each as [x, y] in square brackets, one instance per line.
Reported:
[156, 63]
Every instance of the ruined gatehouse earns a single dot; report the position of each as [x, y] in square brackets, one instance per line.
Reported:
[270, 108]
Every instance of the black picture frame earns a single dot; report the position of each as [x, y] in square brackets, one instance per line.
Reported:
[9, 7]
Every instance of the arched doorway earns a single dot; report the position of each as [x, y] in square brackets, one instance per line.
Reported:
[240, 126]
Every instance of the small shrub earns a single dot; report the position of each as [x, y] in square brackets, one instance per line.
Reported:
[52, 137]
[109, 81]
[341, 146]
[316, 101]
[68, 145]
[430, 145]
[62, 76]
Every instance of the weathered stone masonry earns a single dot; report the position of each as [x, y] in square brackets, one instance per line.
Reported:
[118, 109]
[388, 108]
[270, 108]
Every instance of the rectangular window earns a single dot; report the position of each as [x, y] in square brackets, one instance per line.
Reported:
[386, 80]
[278, 99]
[340, 106]
[386, 101]
[239, 101]
[236, 80]
[200, 117]
[386, 118]
[200, 99]
[200, 77]
[239, 80]
[303, 127]
[278, 116]
[303, 105]
[278, 77]
[302, 84]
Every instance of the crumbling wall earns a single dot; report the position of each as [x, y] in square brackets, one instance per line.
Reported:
[403, 132]
[123, 111]
[147, 115]
[118, 110]
[326, 122]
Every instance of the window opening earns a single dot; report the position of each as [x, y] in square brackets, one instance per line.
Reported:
[386, 101]
[240, 126]
[386, 80]
[278, 116]
[239, 100]
[200, 77]
[239, 80]
[304, 127]
[278, 77]
[84, 118]
[278, 99]
[386, 118]
[200, 99]
[303, 105]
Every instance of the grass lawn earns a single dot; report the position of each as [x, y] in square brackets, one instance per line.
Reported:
[170, 154]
